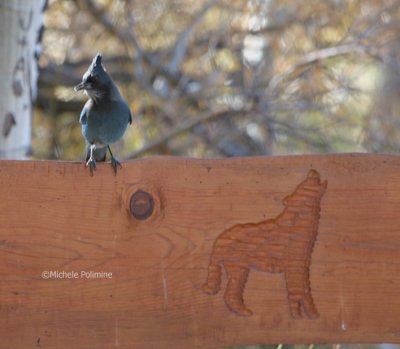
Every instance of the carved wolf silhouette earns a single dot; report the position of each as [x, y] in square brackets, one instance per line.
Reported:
[280, 245]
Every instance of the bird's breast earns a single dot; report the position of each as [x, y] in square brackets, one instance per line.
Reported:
[106, 125]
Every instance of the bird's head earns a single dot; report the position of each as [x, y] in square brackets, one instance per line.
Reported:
[96, 82]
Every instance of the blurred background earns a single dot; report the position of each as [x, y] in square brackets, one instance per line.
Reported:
[222, 78]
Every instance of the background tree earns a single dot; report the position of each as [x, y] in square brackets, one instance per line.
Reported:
[224, 78]
[21, 25]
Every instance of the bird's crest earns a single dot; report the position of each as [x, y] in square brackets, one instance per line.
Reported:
[96, 65]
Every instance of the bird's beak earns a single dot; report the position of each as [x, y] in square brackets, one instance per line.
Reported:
[80, 86]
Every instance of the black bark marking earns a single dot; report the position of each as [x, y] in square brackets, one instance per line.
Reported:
[26, 26]
[17, 83]
[9, 122]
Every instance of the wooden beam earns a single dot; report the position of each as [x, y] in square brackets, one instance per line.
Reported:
[242, 251]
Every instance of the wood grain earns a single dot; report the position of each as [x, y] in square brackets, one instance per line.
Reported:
[55, 217]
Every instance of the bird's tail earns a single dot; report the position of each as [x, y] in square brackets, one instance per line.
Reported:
[99, 153]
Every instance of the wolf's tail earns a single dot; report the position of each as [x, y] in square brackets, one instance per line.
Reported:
[213, 283]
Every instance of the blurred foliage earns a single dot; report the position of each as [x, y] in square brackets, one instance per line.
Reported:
[226, 77]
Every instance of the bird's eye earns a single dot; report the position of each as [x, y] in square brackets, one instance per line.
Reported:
[91, 78]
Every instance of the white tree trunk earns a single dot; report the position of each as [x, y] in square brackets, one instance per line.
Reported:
[21, 25]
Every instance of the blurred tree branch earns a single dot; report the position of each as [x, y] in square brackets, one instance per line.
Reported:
[181, 45]
[184, 126]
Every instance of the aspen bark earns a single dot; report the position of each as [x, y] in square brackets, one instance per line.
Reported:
[21, 25]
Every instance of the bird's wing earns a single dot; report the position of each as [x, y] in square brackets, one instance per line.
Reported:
[130, 117]
[85, 113]
[83, 116]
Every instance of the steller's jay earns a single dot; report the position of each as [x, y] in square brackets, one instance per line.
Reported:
[104, 117]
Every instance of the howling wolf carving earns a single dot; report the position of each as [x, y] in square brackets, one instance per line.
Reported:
[279, 245]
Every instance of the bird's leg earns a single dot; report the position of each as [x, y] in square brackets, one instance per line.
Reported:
[91, 162]
[114, 161]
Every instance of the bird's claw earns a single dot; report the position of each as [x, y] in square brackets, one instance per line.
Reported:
[115, 163]
[92, 165]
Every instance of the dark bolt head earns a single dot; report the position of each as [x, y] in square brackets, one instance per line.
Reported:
[141, 205]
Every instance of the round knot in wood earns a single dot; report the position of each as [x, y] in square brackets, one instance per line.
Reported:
[141, 205]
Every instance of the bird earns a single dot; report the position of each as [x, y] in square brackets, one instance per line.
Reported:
[104, 117]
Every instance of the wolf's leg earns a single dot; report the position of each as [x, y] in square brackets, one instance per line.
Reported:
[237, 278]
[308, 303]
[309, 307]
[299, 294]
[213, 283]
[295, 290]
[295, 308]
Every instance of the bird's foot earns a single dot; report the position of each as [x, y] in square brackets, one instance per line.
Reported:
[92, 165]
[115, 163]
